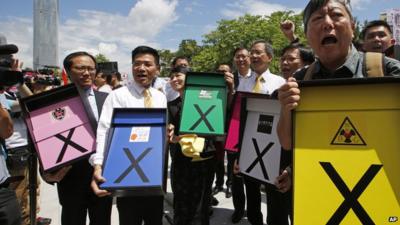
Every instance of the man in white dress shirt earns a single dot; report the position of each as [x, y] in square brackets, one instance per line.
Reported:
[264, 82]
[139, 94]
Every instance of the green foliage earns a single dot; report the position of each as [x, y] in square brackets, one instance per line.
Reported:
[166, 57]
[100, 58]
[219, 44]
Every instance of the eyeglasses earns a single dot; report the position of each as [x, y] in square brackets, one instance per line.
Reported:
[288, 59]
[82, 69]
[241, 57]
[257, 53]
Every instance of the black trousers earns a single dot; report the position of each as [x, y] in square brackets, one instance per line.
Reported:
[277, 206]
[135, 210]
[192, 185]
[10, 211]
[75, 210]
[238, 196]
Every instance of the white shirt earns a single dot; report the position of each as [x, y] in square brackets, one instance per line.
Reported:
[246, 83]
[105, 88]
[124, 97]
[270, 84]
[165, 86]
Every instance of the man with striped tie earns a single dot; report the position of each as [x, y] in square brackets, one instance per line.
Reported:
[138, 94]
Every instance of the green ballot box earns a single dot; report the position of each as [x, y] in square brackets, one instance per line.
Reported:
[204, 104]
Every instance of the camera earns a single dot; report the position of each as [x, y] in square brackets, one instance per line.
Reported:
[7, 76]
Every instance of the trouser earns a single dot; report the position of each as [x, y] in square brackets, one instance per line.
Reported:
[77, 205]
[10, 211]
[219, 165]
[18, 166]
[238, 196]
[277, 207]
[192, 188]
[135, 210]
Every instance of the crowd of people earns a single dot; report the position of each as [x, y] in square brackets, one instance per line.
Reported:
[329, 30]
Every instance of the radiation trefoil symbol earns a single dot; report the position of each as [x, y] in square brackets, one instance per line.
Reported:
[347, 134]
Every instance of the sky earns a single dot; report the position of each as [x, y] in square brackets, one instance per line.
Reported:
[114, 28]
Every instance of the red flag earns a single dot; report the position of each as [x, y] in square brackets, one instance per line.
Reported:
[64, 77]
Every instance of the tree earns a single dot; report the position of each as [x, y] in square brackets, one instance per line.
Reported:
[100, 58]
[188, 48]
[166, 57]
[241, 32]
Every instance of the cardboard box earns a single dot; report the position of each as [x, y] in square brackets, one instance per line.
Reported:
[346, 152]
[260, 150]
[60, 128]
[204, 104]
[135, 162]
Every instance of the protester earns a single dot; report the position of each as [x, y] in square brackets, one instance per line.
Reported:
[192, 177]
[10, 211]
[377, 36]
[145, 65]
[74, 182]
[329, 28]
[295, 57]
[103, 82]
[263, 82]
[220, 165]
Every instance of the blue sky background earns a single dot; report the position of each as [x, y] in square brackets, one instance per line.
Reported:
[114, 28]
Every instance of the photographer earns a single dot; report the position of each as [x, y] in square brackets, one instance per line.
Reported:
[10, 212]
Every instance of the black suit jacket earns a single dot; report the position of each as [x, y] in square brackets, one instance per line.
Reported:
[77, 180]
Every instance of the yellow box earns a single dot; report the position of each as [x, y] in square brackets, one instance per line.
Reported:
[347, 151]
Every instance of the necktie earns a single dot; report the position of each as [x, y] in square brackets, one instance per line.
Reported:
[258, 85]
[147, 98]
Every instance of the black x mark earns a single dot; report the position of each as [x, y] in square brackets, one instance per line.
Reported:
[67, 141]
[350, 197]
[134, 165]
[203, 117]
[259, 158]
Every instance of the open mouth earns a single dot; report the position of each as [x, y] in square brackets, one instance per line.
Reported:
[329, 40]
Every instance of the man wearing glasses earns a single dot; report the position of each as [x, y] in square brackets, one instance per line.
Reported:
[74, 191]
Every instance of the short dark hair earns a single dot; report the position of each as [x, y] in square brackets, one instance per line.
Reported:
[68, 60]
[117, 75]
[146, 50]
[315, 5]
[179, 69]
[267, 46]
[306, 54]
[375, 23]
[239, 49]
[175, 60]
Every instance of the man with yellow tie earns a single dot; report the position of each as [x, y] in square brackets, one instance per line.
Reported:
[138, 94]
[264, 82]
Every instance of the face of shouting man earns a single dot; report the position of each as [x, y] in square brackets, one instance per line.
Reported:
[330, 33]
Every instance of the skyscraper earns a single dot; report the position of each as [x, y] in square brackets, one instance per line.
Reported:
[45, 33]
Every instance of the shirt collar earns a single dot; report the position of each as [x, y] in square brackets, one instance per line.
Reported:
[248, 75]
[89, 91]
[138, 88]
[351, 63]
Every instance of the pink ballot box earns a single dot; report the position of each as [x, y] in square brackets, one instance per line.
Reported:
[59, 126]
